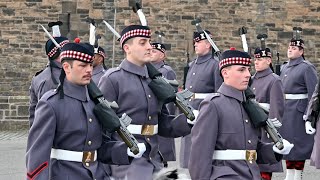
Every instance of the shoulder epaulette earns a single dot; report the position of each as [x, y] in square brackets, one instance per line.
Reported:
[213, 95]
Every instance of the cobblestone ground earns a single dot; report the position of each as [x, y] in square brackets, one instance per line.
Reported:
[12, 158]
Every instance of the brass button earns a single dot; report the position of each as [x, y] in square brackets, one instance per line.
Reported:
[249, 141]
[193, 73]
[89, 143]
[148, 139]
[149, 117]
[250, 162]
[190, 87]
[246, 120]
[90, 120]
[87, 164]
[150, 158]
[149, 96]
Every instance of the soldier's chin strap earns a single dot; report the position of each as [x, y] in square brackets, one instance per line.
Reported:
[60, 86]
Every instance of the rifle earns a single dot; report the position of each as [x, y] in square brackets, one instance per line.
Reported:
[109, 119]
[278, 66]
[186, 68]
[259, 118]
[165, 92]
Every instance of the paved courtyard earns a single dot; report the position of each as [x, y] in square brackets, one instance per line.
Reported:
[12, 158]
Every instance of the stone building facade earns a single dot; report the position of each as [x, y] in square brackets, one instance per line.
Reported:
[22, 39]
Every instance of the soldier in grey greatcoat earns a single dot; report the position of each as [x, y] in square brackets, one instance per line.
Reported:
[65, 136]
[268, 90]
[299, 78]
[99, 68]
[311, 115]
[203, 79]
[128, 86]
[225, 145]
[48, 78]
[158, 55]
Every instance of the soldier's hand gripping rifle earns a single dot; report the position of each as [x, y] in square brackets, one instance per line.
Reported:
[165, 92]
[259, 118]
[109, 119]
[197, 22]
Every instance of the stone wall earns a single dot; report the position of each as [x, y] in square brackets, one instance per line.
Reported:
[22, 39]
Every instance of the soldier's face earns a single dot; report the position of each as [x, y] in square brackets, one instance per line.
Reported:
[261, 64]
[294, 52]
[236, 76]
[97, 60]
[138, 50]
[78, 72]
[202, 47]
[156, 55]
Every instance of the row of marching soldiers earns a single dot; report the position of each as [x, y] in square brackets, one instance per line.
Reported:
[68, 141]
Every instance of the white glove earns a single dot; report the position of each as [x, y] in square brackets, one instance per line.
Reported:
[142, 149]
[287, 146]
[309, 128]
[196, 113]
[276, 122]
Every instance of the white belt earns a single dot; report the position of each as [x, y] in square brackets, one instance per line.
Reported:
[296, 96]
[249, 155]
[265, 106]
[66, 155]
[200, 95]
[143, 129]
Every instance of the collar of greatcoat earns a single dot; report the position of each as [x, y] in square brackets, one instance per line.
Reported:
[296, 61]
[158, 65]
[263, 73]
[205, 58]
[97, 69]
[75, 91]
[134, 69]
[231, 92]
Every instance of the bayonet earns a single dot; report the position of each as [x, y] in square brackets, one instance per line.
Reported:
[52, 39]
[242, 33]
[111, 29]
[196, 22]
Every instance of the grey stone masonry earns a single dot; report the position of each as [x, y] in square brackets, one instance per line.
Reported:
[14, 112]
[22, 40]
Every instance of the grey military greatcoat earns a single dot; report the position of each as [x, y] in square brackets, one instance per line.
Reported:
[315, 155]
[97, 73]
[203, 77]
[42, 82]
[218, 129]
[67, 124]
[167, 145]
[298, 76]
[128, 86]
[268, 89]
